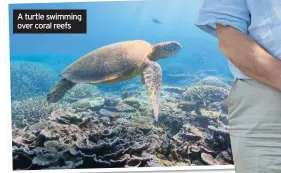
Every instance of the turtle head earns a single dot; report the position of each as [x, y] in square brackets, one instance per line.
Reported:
[166, 49]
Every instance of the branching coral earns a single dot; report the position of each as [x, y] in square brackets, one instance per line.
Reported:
[205, 94]
[214, 81]
[30, 79]
[30, 111]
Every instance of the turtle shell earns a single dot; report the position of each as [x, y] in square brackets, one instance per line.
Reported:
[112, 63]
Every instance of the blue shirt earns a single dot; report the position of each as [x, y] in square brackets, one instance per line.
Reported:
[259, 19]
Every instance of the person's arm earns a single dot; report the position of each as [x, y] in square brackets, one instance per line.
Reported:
[249, 56]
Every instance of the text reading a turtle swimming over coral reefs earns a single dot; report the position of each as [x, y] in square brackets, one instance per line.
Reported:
[49, 21]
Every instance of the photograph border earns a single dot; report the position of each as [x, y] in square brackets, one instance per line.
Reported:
[6, 127]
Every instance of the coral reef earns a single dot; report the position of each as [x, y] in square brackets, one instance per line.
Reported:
[90, 129]
[81, 91]
[32, 110]
[30, 79]
[218, 137]
[205, 94]
[214, 81]
[90, 142]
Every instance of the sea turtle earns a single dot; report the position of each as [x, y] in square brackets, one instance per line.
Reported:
[118, 62]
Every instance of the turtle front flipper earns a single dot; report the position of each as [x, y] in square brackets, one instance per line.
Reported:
[59, 90]
[152, 76]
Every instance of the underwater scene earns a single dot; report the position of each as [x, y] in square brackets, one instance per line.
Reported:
[144, 87]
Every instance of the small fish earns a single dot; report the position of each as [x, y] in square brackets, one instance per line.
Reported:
[109, 113]
[113, 115]
[181, 105]
[156, 21]
[46, 105]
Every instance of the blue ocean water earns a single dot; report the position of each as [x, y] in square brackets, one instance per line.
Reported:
[109, 22]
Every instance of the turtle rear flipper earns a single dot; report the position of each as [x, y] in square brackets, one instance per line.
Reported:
[152, 76]
[59, 90]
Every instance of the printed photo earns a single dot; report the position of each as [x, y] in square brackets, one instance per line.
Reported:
[119, 84]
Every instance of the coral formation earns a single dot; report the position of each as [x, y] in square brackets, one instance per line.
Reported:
[93, 145]
[90, 129]
[81, 91]
[214, 81]
[30, 111]
[30, 79]
[205, 94]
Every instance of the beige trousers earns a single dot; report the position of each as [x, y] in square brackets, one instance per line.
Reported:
[255, 127]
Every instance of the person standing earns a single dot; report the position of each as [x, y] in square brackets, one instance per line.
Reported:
[249, 36]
